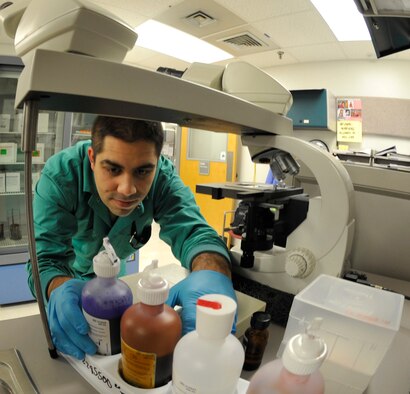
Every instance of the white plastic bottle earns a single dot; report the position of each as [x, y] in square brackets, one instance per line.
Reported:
[209, 359]
[298, 370]
[104, 300]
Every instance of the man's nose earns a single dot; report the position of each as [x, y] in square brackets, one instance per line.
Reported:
[126, 185]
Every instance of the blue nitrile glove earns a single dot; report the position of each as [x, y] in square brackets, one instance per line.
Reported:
[69, 329]
[195, 285]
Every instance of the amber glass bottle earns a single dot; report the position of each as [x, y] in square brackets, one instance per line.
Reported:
[255, 340]
[150, 331]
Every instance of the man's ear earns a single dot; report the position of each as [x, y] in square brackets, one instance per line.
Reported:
[91, 157]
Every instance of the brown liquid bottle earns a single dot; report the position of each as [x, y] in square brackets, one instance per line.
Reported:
[150, 331]
[255, 340]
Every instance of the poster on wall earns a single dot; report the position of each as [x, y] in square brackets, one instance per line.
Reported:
[349, 120]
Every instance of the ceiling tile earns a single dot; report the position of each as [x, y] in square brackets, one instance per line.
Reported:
[303, 28]
[145, 8]
[269, 59]
[176, 17]
[256, 10]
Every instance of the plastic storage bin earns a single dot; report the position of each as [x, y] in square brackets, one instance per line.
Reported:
[359, 324]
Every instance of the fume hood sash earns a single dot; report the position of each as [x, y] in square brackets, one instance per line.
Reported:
[77, 83]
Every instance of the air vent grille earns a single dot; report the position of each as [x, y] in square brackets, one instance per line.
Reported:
[199, 19]
[244, 40]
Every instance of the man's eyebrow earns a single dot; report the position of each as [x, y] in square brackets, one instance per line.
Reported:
[114, 164]
[111, 163]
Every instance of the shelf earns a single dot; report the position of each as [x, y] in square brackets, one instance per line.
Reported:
[12, 194]
[10, 243]
[18, 133]
[21, 163]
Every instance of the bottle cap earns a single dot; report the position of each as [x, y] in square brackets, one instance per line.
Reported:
[260, 320]
[305, 353]
[106, 264]
[152, 289]
[214, 316]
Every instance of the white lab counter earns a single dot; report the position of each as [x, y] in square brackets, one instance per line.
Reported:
[57, 376]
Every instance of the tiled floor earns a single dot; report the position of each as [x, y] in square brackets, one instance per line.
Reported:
[154, 249]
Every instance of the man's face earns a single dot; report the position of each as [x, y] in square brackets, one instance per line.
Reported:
[123, 173]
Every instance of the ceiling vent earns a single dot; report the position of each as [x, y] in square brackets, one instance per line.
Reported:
[199, 19]
[244, 40]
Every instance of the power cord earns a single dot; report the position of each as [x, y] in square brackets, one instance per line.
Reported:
[361, 278]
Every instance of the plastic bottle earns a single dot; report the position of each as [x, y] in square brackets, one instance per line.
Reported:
[209, 359]
[298, 370]
[149, 332]
[104, 299]
[255, 340]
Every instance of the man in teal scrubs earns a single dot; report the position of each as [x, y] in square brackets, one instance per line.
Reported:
[115, 186]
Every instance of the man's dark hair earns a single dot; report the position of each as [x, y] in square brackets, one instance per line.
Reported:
[128, 130]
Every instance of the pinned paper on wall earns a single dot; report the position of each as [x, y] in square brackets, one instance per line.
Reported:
[349, 120]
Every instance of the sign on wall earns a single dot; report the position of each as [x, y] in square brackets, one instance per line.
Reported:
[349, 120]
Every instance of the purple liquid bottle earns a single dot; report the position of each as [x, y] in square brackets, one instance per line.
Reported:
[104, 299]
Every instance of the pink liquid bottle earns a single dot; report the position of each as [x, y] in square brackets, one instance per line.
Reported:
[104, 300]
[298, 370]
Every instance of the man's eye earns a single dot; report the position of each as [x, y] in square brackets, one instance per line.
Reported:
[113, 170]
[141, 172]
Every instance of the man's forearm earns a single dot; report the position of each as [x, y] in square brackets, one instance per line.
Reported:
[211, 261]
[55, 282]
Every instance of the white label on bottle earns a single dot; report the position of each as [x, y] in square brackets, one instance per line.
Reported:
[180, 386]
[99, 333]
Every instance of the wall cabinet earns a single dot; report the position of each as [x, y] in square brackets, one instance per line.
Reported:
[313, 109]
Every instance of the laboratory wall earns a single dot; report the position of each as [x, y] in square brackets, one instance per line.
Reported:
[381, 198]
[373, 78]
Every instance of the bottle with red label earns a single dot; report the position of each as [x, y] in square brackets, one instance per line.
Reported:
[209, 359]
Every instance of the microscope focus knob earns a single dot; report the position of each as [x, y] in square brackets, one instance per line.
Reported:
[300, 263]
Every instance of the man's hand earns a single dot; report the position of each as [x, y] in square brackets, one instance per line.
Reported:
[210, 275]
[69, 329]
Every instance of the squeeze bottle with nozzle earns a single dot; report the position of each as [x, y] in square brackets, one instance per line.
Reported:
[104, 300]
[209, 359]
[298, 370]
[150, 329]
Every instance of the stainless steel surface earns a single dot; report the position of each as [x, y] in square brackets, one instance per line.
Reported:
[5, 387]
[28, 143]
[49, 375]
[14, 378]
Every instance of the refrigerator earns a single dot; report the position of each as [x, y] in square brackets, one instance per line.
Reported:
[55, 131]
[13, 223]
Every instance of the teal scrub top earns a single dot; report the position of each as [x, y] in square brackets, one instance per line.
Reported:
[70, 220]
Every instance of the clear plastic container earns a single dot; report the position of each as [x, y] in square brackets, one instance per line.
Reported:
[359, 324]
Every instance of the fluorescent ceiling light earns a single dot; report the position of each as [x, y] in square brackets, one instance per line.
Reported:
[169, 41]
[344, 19]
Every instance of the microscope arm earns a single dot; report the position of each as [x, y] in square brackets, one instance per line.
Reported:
[327, 231]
